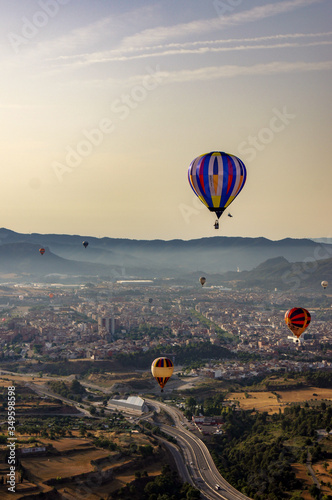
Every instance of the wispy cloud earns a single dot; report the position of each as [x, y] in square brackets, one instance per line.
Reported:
[89, 37]
[202, 50]
[215, 73]
[221, 41]
[162, 33]
[199, 47]
[231, 71]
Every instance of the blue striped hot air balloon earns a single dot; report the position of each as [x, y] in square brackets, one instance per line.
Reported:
[217, 178]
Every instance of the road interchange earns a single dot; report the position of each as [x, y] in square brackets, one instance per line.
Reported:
[198, 461]
[192, 458]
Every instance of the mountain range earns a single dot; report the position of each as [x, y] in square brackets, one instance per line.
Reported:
[233, 258]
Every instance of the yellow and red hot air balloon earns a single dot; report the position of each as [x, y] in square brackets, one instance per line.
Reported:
[202, 280]
[162, 369]
[51, 295]
[42, 251]
[217, 178]
[297, 320]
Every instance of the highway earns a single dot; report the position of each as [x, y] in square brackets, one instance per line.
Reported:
[192, 458]
[203, 472]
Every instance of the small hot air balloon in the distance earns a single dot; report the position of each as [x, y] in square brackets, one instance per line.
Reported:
[51, 295]
[42, 251]
[162, 369]
[297, 320]
[217, 178]
[150, 300]
[324, 284]
[202, 280]
[85, 243]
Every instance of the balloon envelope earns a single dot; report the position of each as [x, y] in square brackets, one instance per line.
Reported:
[162, 369]
[297, 320]
[217, 178]
[42, 251]
[202, 280]
[324, 284]
[85, 243]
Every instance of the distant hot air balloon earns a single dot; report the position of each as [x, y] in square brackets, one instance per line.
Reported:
[217, 178]
[202, 280]
[42, 251]
[297, 320]
[324, 284]
[85, 243]
[51, 295]
[150, 300]
[162, 369]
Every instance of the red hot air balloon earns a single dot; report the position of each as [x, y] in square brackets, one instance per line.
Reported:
[297, 320]
[42, 251]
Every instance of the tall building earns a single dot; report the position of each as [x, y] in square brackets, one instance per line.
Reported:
[110, 324]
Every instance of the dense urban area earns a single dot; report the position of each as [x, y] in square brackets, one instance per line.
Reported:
[80, 357]
[101, 321]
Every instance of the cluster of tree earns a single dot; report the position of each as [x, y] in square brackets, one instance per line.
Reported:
[209, 407]
[292, 380]
[74, 391]
[185, 355]
[103, 442]
[63, 367]
[45, 427]
[304, 421]
[166, 486]
[319, 378]
[252, 454]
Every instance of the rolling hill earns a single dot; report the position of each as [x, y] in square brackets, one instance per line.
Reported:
[258, 259]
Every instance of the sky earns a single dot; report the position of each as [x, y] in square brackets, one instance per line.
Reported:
[105, 104]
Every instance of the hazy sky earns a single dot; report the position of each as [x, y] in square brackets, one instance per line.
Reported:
[104, 104]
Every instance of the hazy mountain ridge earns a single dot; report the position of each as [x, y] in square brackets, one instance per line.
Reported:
[24, 258]
[283, 275]
[146, 258]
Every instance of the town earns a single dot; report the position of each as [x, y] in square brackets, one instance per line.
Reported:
[100, 321]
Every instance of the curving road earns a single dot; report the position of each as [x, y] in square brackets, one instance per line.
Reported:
[195, 463]
[204, 474]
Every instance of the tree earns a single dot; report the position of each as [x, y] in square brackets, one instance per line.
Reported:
[314, 491]
[76, 387]
[145, 450]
